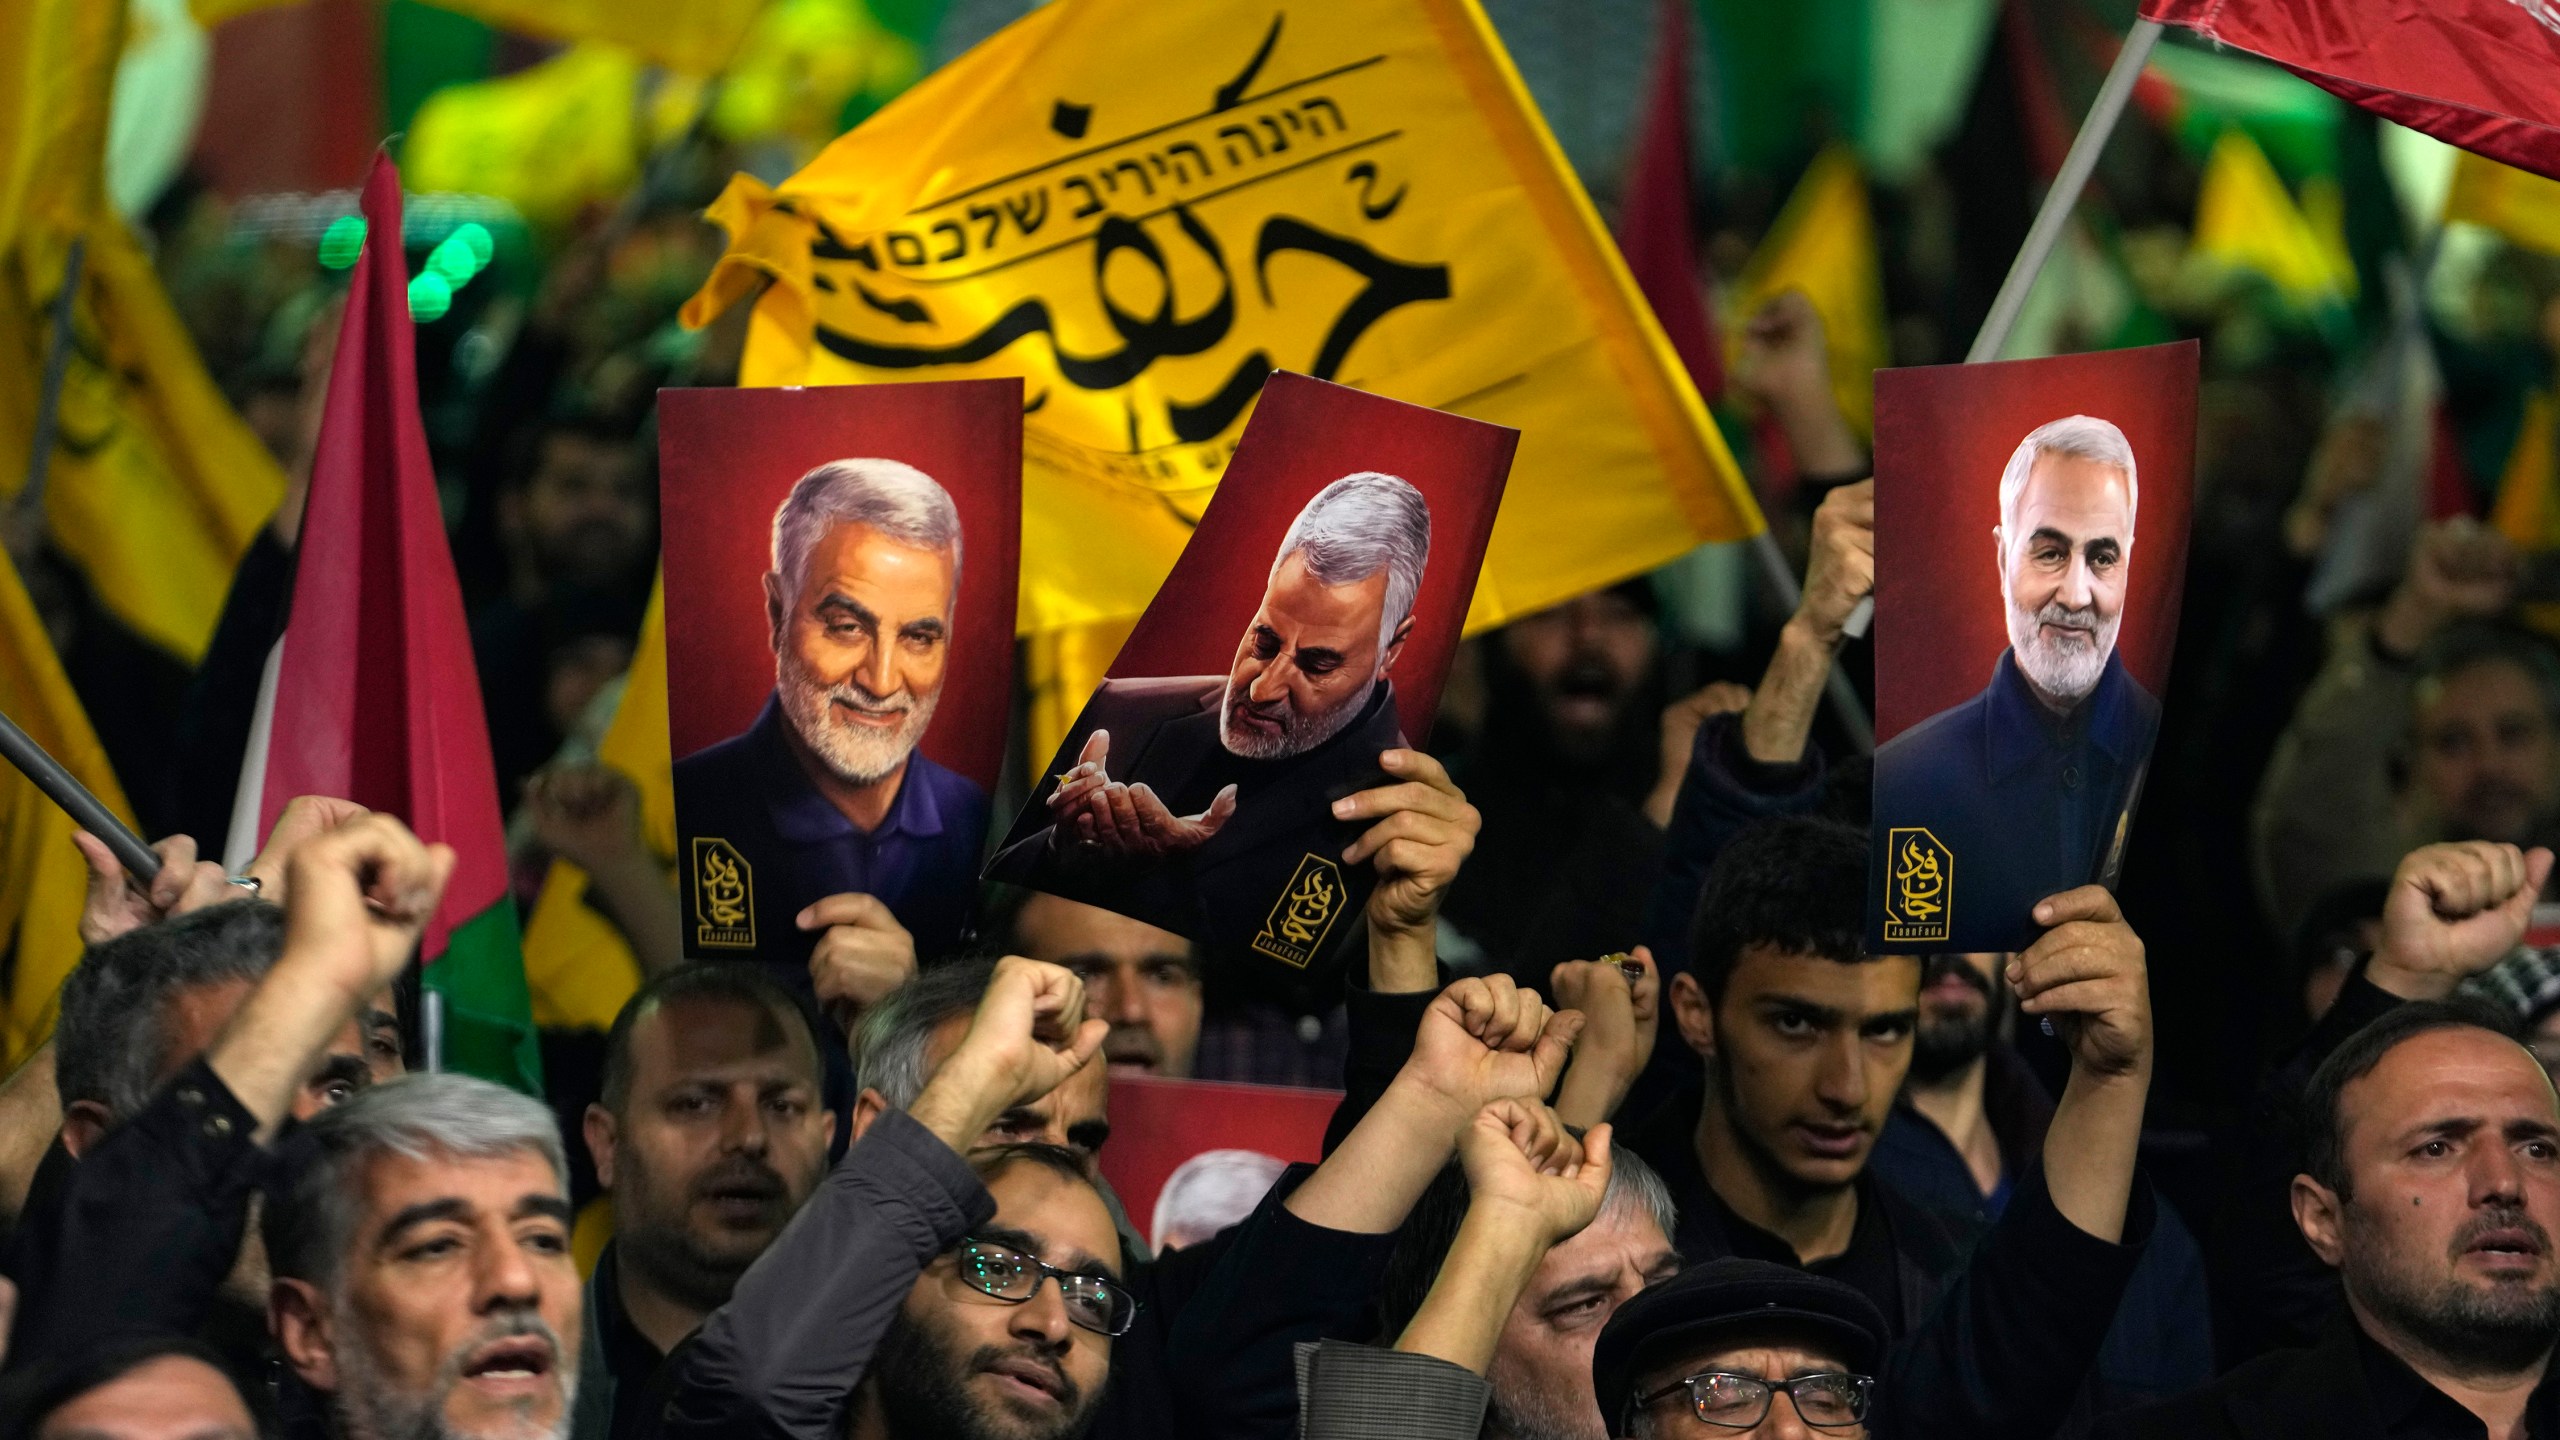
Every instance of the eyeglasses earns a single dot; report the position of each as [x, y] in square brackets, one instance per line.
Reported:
[1094, 1302]
[1738, 1402]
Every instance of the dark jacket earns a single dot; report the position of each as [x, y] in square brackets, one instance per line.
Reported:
[1990, 1342]
[2344, 1388]
[2161, 1343]
[2007, 805]
[148, 1226]
[1268, 897]
[1210, 1355]
[2270, 1292]
[1723, 793]
[749, 795]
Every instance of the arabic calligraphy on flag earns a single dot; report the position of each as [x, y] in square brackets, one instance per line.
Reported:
[1145, 210]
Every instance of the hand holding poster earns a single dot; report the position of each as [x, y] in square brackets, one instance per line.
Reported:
[1991, 797]
[1306, 628]
[840, 569]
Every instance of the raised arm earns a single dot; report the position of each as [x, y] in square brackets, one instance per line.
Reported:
[784, 1356]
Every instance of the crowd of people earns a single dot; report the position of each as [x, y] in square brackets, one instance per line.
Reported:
[1637, 1138]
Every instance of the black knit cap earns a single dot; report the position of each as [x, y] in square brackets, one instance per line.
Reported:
[1718, 1298]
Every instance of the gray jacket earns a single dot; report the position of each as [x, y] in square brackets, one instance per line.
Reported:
[1360, 1392]
[2328, 811]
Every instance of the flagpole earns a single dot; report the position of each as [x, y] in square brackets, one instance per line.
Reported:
[57, 364]
[64, 789]
[2059, 201]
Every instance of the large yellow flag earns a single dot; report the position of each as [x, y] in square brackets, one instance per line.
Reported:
[547, 139]
[42, 878]
[576, 963]
[2247, 220]
[1824, 244]
[2518, 204]
[155, 486]
[1144, 209]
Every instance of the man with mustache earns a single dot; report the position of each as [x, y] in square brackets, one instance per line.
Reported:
[1204, 804]
[424, 1283]
[825, 797]
[710, 1136]
[1806, 1036]
[2432, 1185]
[2024, 790]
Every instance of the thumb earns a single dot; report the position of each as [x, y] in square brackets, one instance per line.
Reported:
[1555, 1046]
[1220, 808]
[104, 869]
[1097, 747]
[2517, 909]
[1089, 1038]
[1596, 1147]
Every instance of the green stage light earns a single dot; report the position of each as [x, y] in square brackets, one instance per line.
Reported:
[429, 297]
[342, 242]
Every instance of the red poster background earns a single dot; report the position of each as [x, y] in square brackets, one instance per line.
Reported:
[1158, 1124]
[726, 460]
[1943, 435]
[1304, 435]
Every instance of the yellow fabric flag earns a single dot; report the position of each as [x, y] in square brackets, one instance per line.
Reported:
[2247, 220]
[576, 963]
[694, 36]
[2518, 204]
[548, 138]
[1824, 244]
[2527, 511]
[155, 486]
[1144, 209]
[42, 878]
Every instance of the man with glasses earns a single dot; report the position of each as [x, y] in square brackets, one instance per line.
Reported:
[882, 1312]
[1739, 1348]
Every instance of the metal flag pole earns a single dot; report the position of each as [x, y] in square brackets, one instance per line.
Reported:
[64, 789]
[2052, 216]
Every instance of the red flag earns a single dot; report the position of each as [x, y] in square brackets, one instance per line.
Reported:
[373, 695]
[2480, 74]
[1653, 220]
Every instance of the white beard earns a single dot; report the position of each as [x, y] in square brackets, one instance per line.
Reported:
[2068, 667]
[857, 755]
[1298, 734]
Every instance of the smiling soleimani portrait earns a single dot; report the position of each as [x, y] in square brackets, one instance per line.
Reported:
[2027, 785]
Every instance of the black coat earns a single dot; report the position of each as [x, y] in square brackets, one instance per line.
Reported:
[1268, 896]
[2011, 805]
[2331, 1391]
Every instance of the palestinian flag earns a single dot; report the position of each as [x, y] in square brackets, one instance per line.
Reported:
[372, 694]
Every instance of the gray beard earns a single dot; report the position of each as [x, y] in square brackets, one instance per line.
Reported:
[368, 1408]
[1529, 1413]
[2060, 669]
[1299, 734]
[857, 757]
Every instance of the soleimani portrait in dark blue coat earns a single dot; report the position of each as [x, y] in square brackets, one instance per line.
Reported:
[826, 793]
[2026, 790]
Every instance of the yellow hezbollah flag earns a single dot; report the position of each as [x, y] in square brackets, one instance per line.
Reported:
[576, 963]
[2247, 220]
[154, 486]
[2528, 506]
[1145, 209]
[42, 878]
[2518, 204]
[1824, 244]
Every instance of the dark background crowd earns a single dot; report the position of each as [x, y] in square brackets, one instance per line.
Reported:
[2005, 1195]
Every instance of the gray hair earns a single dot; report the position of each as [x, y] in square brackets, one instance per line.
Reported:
[892, 497]
[1211, 1191]
[889, 1040]
[113, 1030]
[2086, 436]
[1633, 1183]
[424, 1118]
[1357, 526]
